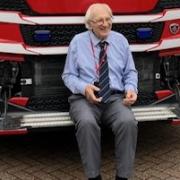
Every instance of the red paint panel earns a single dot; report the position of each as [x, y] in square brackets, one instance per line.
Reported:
[13, 132]
[11, 57]
[80, 6]
[21, 101]
[175, 122]
[163, 93]
[167, 33]
[170, 52]
[10, 32]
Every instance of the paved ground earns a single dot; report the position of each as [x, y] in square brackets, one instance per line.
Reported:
[54, 156]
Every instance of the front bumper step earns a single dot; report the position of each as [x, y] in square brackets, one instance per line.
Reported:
[46, 119]
[154, 113]
[62, 119]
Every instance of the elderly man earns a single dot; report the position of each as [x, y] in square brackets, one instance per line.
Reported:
[100, 72]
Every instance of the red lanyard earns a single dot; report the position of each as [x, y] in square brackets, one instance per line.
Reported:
[101, 61]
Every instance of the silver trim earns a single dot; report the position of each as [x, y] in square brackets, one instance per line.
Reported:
[19, 48]
[18, 18]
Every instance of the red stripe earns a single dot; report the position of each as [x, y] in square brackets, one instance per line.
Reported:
[13, 132]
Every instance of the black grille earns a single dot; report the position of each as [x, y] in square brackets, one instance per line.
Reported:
[166, 4]
[145, 98]
[129, 31]
[5, 73]
[61, 35]
[45, 72]
[147, 65]
[60, 103]
[16, 5]
[49, 103]
[22, 6]
[47, 91]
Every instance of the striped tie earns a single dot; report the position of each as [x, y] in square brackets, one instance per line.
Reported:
[105, 91]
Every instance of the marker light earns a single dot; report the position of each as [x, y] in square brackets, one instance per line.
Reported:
[42, 35]
[144, 33]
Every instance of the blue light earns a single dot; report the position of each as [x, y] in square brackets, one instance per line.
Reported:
[42, 35]
[144, 33]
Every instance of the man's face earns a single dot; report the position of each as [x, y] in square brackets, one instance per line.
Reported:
[101, 23]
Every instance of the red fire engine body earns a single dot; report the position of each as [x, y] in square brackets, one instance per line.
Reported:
[34, 38]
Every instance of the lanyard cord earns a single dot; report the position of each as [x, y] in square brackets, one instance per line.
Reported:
[101, 61]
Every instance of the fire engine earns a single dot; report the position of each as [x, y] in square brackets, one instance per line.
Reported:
[34, 38]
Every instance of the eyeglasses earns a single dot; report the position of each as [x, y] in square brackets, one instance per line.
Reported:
[102, 21]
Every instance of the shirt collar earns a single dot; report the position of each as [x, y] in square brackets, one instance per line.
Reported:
[95, 40]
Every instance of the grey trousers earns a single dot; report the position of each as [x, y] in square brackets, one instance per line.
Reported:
[88, 119]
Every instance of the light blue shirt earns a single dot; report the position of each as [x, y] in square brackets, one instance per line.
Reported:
[83, 57]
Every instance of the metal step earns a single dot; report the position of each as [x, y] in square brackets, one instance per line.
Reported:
[43, 119]
[61, 119]
[47, 120]
[154, 113]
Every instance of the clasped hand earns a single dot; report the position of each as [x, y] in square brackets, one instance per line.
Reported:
[130, 98]
[91, 90]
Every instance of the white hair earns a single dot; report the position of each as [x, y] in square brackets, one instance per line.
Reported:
[89, 13]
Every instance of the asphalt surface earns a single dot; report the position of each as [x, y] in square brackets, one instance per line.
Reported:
[54, 155]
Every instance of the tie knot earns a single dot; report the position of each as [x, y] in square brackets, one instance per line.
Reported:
[102, 44]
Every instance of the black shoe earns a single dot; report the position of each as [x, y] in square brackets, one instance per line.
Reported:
[120, 178]
[96, 178]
